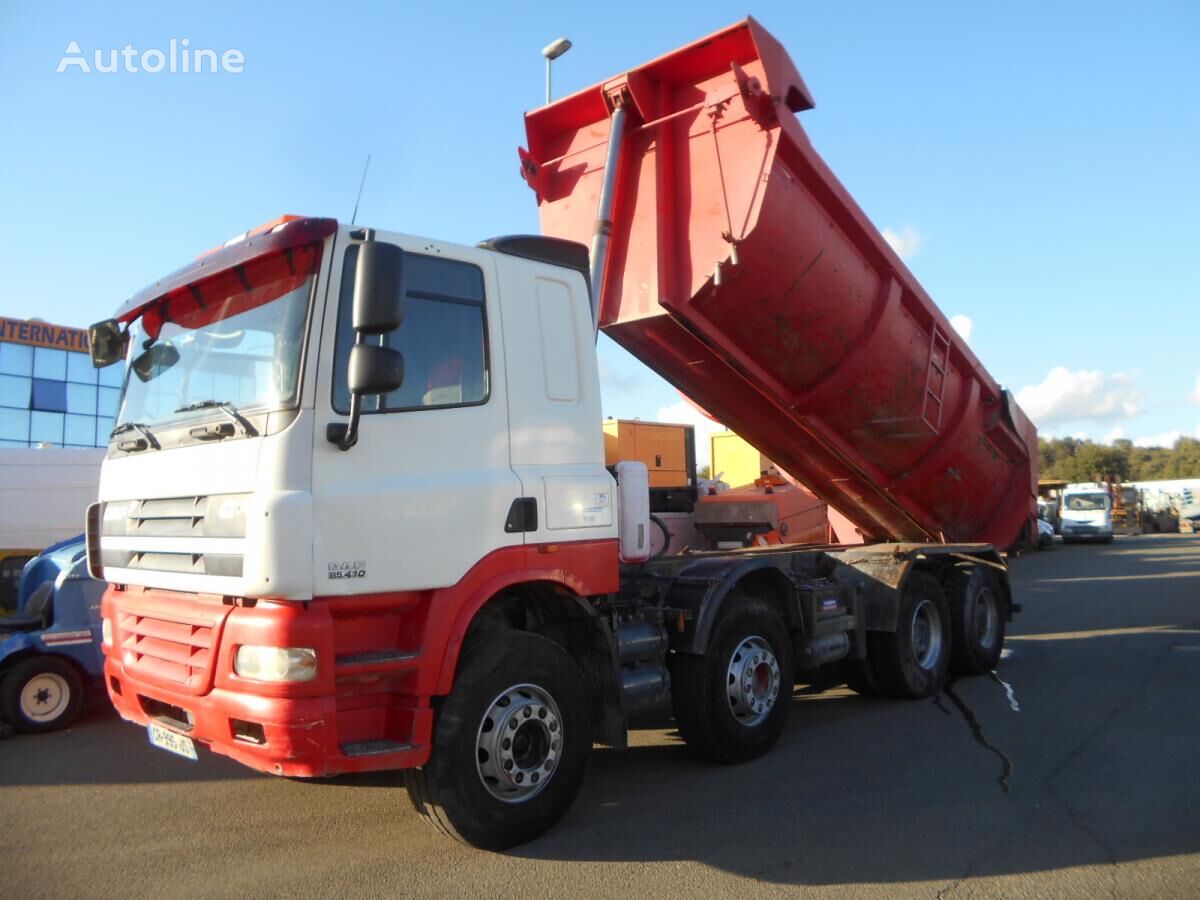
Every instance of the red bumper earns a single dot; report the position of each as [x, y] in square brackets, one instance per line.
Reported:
[299, 737]
[172, 663]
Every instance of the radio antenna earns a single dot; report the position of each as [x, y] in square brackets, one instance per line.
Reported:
[358, 199]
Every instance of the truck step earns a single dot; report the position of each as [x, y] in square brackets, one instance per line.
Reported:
[373, 748]
[376, 658]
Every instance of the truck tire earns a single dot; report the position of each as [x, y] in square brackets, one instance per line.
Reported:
[510, 744]
[912, 661]
[732, 702]
[860, 677]
[42, 693]
[976, 620]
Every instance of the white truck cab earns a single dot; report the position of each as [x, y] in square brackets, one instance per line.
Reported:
[225, 476]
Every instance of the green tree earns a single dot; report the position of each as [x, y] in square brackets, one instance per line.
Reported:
[1069, 459]
[1093, 461]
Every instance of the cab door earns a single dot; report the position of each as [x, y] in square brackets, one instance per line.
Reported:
[425, 493]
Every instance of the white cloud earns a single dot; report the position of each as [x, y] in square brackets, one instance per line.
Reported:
[683, 413]
[1166, 439]
[1066, 396]
[906, 242]
[1114, 435]
[964, 326]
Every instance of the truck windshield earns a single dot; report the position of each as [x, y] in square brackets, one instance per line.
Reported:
[1087, 502]
[234, 339]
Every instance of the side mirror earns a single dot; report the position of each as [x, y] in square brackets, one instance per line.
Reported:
[378, 288]
[374, 370]
[378, 309]
[107, 343]
[154, 360]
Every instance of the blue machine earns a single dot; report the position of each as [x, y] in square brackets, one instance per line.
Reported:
[50, 648]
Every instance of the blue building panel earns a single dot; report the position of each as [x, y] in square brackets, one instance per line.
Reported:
[50, 393]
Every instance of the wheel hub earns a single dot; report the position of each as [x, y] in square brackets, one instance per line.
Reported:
[753, 681]
[927, 635]
[44, 697]
[519, 743]
[987, 619]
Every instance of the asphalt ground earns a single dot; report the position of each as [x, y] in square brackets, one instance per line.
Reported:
[861, 798]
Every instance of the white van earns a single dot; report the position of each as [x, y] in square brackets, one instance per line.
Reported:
[1086, 513]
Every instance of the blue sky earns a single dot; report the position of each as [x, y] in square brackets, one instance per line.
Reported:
[1038, 164]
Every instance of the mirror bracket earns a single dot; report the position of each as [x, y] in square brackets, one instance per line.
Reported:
[349, 431]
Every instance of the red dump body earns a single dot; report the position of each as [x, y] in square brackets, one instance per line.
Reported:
[742, 272]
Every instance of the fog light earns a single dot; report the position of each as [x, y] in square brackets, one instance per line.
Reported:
[276, 663]
[106, 632]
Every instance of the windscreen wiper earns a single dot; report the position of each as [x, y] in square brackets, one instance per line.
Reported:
[148, 439]
[226, 407]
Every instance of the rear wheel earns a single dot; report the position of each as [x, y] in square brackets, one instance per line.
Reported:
[860, 677]
[977, 620]
[41, 693]
[912, 661]
[510, 745]
[731, 703]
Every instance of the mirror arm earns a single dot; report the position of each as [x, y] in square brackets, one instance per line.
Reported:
[350, 436]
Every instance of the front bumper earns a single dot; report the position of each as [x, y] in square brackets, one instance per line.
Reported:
[299, 738]
[1086, 533]
[353, 718]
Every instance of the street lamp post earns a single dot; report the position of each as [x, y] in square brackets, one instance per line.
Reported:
[553, 51]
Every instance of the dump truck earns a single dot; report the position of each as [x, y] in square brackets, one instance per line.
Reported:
[355, 514]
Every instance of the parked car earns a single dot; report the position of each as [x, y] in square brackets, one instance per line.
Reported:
[50, 648]
[1045, 535]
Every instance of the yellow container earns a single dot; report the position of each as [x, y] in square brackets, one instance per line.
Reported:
[734, 461]
[669, 451]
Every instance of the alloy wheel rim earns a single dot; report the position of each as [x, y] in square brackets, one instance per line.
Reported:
[987, 619]
[927, 635]
[519, 743]
[752, 681]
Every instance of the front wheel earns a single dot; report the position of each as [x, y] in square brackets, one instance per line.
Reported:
[41, 693]
[731, 703]
[912, 661]
[510, 745]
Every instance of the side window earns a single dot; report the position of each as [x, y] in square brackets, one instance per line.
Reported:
[443, 338]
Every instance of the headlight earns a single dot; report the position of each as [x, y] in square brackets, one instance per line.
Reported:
[106, 632]
[276, 663]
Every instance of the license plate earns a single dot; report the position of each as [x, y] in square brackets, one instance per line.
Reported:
[169, 740]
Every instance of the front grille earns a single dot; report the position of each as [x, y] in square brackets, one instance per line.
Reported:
[195, 535]
[212, 516]
[228, 565]
[168, 652]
